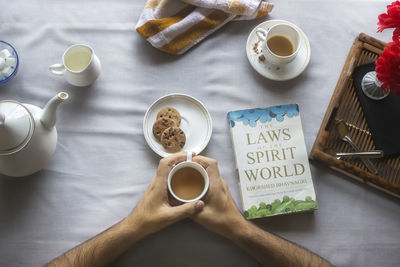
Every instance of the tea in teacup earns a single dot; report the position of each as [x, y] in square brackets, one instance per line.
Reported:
[187, 183]
[280, 45]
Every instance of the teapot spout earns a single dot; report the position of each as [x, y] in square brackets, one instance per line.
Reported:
[48, 118]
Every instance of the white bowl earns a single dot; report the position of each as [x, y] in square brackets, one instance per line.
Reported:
[14, 54]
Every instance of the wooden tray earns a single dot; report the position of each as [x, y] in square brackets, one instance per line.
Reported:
[345, 105]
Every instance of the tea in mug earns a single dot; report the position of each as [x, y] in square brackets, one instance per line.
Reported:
[280, 45]
[187, 183]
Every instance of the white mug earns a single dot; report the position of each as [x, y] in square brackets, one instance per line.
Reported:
[189, 163]
[80, 66]
[284, 30]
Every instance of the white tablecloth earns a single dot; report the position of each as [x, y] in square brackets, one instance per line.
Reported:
[103, 165]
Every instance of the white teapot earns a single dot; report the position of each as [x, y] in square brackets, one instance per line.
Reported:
[28, 136]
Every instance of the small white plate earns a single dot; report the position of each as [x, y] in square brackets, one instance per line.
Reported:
[196, 123]
[273, 72]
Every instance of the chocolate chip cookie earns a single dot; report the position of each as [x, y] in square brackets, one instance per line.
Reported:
[170, 113]
[173, 139]
[160, 125]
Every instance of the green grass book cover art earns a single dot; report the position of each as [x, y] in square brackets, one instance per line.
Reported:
[272, 162]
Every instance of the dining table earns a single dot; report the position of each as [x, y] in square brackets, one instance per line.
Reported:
[103, 165]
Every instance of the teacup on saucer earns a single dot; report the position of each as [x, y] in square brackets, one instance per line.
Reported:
[269, 69]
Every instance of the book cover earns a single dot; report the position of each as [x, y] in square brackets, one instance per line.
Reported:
[271, 160]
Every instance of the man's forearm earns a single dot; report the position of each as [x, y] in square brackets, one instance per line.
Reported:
[270, 249]
[103, 249]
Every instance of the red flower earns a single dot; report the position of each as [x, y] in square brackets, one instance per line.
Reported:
[396, 35]
[388, 67]
[391, 19]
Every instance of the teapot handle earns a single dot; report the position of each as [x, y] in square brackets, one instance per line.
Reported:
[2, 118]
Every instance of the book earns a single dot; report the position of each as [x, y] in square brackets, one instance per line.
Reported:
[272, 162]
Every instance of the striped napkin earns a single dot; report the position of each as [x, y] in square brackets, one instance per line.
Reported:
[174, 26]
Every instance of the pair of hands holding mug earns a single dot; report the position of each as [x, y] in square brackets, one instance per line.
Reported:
[154, 211]
[217, 213]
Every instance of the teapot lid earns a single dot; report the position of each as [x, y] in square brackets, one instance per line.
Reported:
[16, 127]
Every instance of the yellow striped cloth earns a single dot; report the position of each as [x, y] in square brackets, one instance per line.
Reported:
[174, 26]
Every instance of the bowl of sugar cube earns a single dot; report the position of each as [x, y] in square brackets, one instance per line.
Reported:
[8, 62]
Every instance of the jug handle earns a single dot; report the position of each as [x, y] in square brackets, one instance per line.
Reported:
[57, 69]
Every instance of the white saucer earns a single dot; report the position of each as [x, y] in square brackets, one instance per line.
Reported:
[196, 123]
[270, 71]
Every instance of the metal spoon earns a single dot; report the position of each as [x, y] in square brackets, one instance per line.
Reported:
[373, 154]
[344, 135]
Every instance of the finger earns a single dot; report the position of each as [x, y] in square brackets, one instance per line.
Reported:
[211, 165]
[166, 164]
[172, 201]
[186, 210]
[203, 161]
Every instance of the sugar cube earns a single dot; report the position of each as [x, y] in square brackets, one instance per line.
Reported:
[5, 53]
[7, 71]
[11, 62]
[2, 63]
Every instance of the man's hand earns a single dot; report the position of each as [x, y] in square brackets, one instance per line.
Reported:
[221, 216]
[151, 214]
[154, 211]
[220, 213]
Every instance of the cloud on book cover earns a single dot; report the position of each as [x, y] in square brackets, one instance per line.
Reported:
[252, 116]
